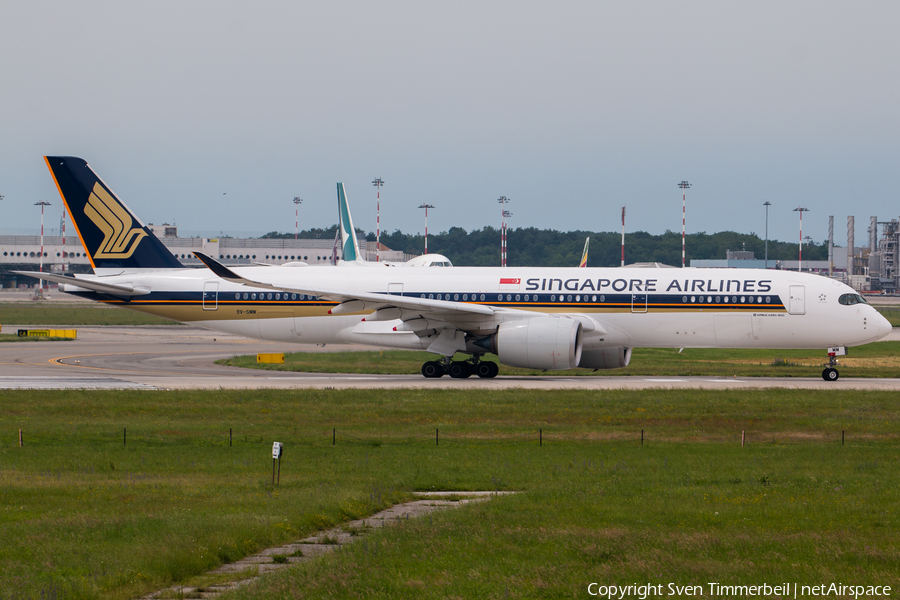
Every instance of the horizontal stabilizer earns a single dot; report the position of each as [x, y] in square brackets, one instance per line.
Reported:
[115, 289]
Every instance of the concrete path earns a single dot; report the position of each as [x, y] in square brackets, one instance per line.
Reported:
[321, 543]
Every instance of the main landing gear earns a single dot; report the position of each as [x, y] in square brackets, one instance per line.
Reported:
[460, 369]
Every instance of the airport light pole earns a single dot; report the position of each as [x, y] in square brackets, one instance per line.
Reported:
[503, 200]
[297, 201]
[801, 210]
[623, 236]
[426, 207]
[684, 185]
[42, 204]
[378, 182]
[506, 215]
[767, 204]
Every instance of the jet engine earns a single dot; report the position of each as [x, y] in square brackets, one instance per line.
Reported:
[546, 343]
[605, 358]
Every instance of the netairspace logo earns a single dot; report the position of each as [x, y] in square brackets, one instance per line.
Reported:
[721, 590]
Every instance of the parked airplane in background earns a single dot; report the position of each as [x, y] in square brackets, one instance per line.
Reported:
[349, 246]
[540, 318]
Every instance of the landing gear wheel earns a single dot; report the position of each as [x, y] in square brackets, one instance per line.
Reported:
[830, 374]
[460, 369]
[433, 369]
[487, 369]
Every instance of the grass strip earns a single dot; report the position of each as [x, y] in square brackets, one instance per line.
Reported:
[881, 359]
[23, 313]
[118, 493]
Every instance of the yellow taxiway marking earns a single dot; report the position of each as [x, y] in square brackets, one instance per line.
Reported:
[58, 363]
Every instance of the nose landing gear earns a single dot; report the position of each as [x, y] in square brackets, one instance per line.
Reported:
[830, 373]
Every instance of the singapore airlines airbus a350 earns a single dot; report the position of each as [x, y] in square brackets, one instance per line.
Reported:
[540, 318]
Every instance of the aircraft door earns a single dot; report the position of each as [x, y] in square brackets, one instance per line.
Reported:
[639, 303]
[395, 289]
[210, 295]
[797, 300]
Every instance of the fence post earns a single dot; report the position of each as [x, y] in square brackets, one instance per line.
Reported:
[124, 436]
[540, 437]
[435, 437]
[842, 437]
[642, 437]
[742, 438]
[229, 437]
[20, 438]
[333, 435]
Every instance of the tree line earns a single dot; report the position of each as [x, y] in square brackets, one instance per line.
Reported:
[533, 247]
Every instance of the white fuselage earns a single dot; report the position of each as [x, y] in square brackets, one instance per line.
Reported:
[633, 307]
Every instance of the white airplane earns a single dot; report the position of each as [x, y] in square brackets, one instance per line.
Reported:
[539, 318]
[349, 254]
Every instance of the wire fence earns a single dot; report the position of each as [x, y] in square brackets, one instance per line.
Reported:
[435, 437]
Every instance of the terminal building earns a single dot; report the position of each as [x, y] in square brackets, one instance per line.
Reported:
[67, 255]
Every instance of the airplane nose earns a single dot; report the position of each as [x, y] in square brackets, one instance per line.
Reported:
[883, 326]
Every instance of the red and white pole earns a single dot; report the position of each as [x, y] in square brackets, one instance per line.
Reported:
[63, 227]
[378, 182]
[684, 185]
[42, 204]
[426, 207]
[297, 201]
[802, 210]
[623, 236]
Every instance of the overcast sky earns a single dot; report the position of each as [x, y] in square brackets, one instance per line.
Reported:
[216, 114]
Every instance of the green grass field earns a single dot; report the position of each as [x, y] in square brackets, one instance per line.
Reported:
[86, 516]
[881, 359]
[38, 313]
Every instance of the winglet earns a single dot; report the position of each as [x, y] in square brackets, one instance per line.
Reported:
[218, 268]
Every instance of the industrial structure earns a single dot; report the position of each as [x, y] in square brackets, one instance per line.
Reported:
[66, 254]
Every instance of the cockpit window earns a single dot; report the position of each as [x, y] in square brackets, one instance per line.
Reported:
[850, 299]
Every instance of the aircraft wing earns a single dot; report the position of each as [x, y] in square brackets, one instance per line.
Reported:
[358, 301]
[115, 289]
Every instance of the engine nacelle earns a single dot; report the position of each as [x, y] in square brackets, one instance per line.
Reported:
[605, 358]
[546, 343]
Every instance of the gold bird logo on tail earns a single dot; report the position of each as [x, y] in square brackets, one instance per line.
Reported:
[120, 240]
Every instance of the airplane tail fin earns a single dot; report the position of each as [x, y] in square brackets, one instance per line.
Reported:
[349, 251]
[584, 254]
[113, 238]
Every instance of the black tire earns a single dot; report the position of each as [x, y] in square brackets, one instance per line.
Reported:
[830, 374]
[459, 369]
[484, 370]
[433, 369]
[487, 369]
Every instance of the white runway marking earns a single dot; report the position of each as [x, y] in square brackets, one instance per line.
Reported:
[70, 383]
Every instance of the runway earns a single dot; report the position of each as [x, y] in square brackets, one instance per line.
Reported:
[181, 357]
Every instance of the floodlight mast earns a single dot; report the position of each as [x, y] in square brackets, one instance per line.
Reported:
[684, 185]
[506, 215]
[297, 201]
[378, 182]
[426, 207]
[42, 204]
[503, 214]
[801, 210]
[767, 204]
